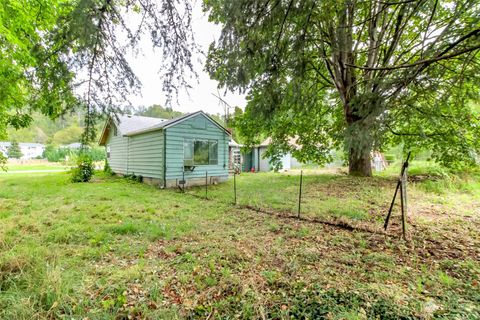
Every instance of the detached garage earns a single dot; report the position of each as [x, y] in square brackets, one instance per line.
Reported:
[169, 153]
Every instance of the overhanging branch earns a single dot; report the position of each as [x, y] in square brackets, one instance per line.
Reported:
[421, 62]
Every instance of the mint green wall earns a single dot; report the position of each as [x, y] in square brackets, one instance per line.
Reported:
[118, 152]
[198, 127]
[141, 154]
[145, 155]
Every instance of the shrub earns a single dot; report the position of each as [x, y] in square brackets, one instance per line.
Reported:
[390, 158]
[107, 169]
[84, 170]
[55, 154]
[58, 154]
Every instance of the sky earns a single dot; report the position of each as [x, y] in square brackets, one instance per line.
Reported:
[199, 97]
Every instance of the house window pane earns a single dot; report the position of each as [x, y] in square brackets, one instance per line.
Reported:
[201, 152]
[188, 152]
[213, 146]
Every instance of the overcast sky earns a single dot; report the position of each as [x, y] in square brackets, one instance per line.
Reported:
[146, 66]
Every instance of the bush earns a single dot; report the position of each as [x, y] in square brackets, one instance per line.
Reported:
[390, 158]
[84, 170]
[55, 154]
[59, 154]
[107, 169]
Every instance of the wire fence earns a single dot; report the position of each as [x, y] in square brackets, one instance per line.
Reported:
[326, 198]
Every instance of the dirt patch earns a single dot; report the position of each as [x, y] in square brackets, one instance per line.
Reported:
[158, 250]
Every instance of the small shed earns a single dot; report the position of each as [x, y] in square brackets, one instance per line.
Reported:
[257, 160]
[169, 153]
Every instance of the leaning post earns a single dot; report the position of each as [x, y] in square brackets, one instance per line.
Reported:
[300, 193]
[404, 204]
[402, 187]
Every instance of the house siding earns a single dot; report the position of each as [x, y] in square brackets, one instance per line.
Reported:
[118, 153]
[145, 155]
[264, 164]
[192, 129]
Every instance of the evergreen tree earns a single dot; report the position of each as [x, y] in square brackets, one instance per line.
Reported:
[59, 55]
[14, 151]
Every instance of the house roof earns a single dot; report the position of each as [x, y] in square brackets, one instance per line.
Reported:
[128, 124]
[74, 145]
[234, 143]
[133, 125]
[22, 144]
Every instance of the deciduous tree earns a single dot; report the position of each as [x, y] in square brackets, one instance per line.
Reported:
[360, 74]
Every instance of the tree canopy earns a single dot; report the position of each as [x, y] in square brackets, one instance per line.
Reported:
[353, 74]
[57, 55]
[157, 111]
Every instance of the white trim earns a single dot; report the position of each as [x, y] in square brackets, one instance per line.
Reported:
[186, 117]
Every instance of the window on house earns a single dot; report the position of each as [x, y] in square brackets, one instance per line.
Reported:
[213, 152]
[188, 152]
[200, 152]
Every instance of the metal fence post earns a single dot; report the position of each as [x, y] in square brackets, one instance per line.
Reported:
[402, 187]
[300, 193]
[234, 189]
[403, 193]
[206, 185]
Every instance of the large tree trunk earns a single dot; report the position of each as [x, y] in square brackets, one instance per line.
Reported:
[359, 142]
[359, 163]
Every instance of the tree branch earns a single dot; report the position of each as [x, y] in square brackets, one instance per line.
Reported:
[420, 62]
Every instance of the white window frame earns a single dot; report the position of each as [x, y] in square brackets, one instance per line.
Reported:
[193, 140]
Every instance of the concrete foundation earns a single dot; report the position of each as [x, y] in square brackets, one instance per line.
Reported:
[189, 182]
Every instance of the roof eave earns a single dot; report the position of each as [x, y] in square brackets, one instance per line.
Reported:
[134, 133]
[194, 114]
[103, 137]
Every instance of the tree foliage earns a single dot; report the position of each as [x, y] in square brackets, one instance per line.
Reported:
[57, 55]
[59, 154]
[68, 135]
[157, 111]
[357, 74]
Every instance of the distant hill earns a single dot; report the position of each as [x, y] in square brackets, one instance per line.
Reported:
[157, 111]
[69, 128]
[64, 130]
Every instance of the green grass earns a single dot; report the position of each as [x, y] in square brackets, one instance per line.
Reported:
[26, 167]
[113, 248]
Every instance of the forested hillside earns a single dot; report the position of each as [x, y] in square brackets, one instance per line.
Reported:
[64, 130]
[69, 128]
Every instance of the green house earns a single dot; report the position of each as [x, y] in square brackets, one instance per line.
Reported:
[175, 152]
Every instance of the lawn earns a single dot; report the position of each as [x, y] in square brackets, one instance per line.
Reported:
[33, 167]
[113, 248]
